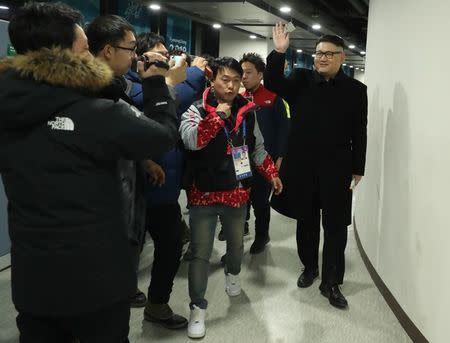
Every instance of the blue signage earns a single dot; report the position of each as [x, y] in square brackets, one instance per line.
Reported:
[137, 15]
[89, 8]
[178, 35]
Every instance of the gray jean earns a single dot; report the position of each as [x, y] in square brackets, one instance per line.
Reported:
[203, 221]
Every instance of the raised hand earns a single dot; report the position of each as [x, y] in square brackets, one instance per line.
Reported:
[280, 38]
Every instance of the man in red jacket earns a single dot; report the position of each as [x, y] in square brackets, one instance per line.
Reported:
[273, 120]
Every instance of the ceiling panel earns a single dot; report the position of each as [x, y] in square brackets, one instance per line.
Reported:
[258, 17]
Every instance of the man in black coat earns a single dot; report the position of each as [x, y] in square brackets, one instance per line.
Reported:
[71, 269]
[325, 158]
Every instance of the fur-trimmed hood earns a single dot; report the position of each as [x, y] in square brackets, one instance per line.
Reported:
[36, 85]
[61, 67]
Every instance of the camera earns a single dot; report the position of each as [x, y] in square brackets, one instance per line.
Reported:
[148, 63]
[176, 56]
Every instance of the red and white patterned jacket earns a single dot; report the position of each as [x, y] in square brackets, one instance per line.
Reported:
[196, 132]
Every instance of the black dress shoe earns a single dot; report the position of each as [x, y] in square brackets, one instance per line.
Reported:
[306, 278]
[138, 300]
[174, 322]
[334, 295]
[259, 244]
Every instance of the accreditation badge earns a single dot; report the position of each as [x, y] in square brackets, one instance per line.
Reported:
[241, 161]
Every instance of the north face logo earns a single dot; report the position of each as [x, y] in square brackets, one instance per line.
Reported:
[62, 123]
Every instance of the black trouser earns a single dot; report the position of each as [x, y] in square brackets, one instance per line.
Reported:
[109, 325]
[164, 226]
[259, 197]
[335, 241]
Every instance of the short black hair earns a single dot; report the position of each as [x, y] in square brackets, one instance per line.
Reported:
[39, 25]
[334, 39]
[221, 63]
[146, 41]
[106, 29]
[254, 59]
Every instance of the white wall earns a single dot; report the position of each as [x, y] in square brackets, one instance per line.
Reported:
[402, 211]
[360, 76]
[234, 44]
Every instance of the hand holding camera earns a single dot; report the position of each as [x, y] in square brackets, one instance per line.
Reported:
[177, 71]
[152, 64]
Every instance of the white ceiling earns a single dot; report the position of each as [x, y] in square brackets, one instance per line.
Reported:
[242, 15]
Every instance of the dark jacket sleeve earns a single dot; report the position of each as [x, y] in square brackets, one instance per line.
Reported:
[275, 80]
[359, 133]
[117, 130]
[188, 90]
[282, 123]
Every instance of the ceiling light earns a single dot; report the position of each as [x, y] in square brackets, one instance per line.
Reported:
[357, 68]
[362, 52]
[253, 37]
[351, 46]
[285, 9]
[2, 7]
[351, 66]
[217, 26]
[316, 26]
[155, 7]
[313, 55]
[362, 69]
[344, 64]
[299, 50]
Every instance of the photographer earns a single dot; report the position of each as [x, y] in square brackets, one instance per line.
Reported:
[71, 264]
[163, 211]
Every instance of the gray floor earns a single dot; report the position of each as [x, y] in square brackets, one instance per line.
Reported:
[270, 309]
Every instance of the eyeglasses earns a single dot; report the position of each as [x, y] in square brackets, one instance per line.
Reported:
[328, 54]
[131, 50]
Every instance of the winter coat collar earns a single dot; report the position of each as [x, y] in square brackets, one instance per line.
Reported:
[320, 79]
[60, 67]
[238, 110]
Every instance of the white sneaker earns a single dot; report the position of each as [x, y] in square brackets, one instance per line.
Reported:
[232, 285]
[196, 326]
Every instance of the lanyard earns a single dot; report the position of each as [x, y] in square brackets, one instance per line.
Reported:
[244, 133]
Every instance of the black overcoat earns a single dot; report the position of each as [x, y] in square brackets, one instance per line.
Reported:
[327, 141]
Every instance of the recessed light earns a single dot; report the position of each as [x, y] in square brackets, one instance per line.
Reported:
[344, 64]
[2, 7]
[316, 26]
[155, 7]
[253, 37]
[362, 69]
[351, 46]
[299, 50]
[362, 52]
[313, 55]
[351, 66]
[217, 26]
[357, 68]
[285, 9]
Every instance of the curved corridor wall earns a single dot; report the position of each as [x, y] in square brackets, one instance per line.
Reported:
[403, 209]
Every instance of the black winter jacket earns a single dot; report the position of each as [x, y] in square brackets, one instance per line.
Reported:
[59, 149]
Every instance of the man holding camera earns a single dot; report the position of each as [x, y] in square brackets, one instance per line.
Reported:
[163, 221]
[60, 142]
